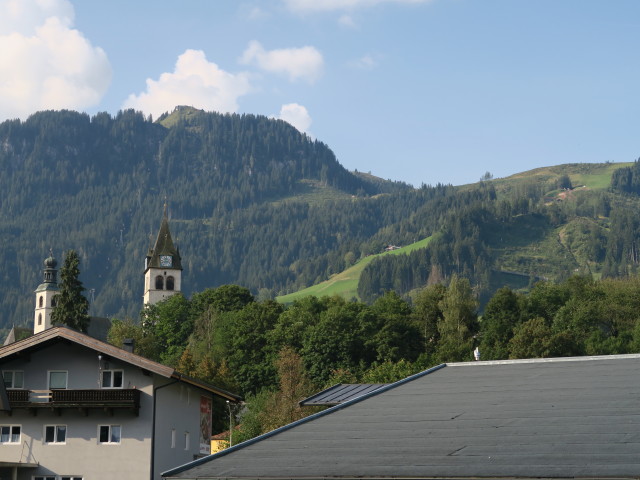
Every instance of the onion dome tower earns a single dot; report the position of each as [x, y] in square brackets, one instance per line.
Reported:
[163, 266]
[45, 295]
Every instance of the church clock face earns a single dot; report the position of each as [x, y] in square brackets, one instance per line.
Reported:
[166, 260]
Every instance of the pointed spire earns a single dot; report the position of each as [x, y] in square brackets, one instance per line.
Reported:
[164, 246]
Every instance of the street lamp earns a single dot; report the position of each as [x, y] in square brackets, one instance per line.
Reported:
[230, 424]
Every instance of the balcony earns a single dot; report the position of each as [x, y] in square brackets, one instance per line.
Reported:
[57, 400]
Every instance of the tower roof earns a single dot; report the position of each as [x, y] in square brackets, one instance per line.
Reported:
[164, 246]
[49, 280]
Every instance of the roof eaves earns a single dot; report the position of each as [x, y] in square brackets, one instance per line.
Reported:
[310, 418]
[207, 387]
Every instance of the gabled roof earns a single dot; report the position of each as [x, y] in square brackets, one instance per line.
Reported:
[340, 393]
[61, 334]
[552, 418]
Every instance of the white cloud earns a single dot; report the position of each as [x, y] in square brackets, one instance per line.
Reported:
[346, 21]
[257, 13]
[329, 5]
[195, 82]
[367, 62]
[44, 63]
[297, 63]
[24, 16]
[296, 115]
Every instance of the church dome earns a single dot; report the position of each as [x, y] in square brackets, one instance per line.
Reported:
[50, 262]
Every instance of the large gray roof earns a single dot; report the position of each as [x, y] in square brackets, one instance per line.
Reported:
[560, 418]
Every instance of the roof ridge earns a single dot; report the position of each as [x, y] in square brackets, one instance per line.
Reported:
[621, 356]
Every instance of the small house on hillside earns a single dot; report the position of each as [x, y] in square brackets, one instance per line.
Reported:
[523, 419]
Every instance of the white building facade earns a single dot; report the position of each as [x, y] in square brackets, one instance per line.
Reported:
[79, 408]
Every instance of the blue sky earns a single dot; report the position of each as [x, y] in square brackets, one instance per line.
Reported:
[422, 91]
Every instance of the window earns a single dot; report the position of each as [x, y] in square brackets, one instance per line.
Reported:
[39, 319]
[57, 379]
[53, 301]
[109, 434]
[44, 478]
[112, 378]
[64, 477]
[40, 300]
[10, 433]
[173, 438]
[13, 378]
[187, 438]
[159, 282]
[170, 283]
[55, 433]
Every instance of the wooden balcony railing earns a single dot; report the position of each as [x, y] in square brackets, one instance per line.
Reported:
[83, 399]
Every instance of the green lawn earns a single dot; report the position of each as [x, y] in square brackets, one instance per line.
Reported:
[345, 284]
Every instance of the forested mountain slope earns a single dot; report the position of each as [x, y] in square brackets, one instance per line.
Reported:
[549, 223]
[97, 185]
[254, 202]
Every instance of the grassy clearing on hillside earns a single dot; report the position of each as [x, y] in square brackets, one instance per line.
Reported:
[594, 176]
[535, 248]
[599, 178]
[345, 284]
[314, 192]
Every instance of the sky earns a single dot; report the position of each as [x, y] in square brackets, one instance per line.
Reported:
[419, 91]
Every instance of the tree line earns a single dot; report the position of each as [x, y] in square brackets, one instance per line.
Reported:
[269, 352]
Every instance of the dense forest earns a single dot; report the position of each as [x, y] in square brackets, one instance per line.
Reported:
[254, 202]
[483, 234]
[97, 185]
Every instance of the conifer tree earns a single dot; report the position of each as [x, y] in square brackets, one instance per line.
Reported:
[72, 308]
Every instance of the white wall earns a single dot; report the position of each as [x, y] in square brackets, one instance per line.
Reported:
[81, 454]
[177, 409]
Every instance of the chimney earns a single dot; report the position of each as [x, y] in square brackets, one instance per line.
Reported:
[128, 344]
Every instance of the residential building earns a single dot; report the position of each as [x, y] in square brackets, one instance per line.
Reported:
[79, 408]
[522, 419]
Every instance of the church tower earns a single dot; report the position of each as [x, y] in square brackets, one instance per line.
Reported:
[163, 266]
[45, 295]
